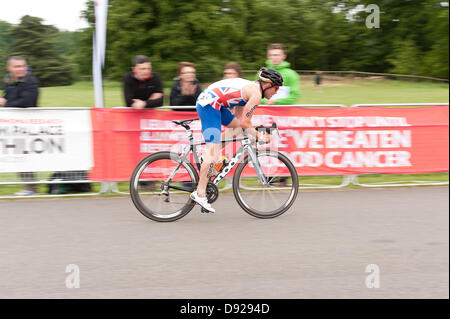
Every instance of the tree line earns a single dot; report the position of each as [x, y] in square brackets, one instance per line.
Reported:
[44, 47]
[412, 37]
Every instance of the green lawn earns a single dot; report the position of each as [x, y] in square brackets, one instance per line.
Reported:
[375, 91]
[81, 94]
[305, 181]
[346, 92]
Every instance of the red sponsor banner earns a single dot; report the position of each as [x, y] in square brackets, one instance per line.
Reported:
[322, 141]
[345, 141]
[122, 137]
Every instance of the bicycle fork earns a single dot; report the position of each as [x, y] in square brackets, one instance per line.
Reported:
[253, 158]
[165, 190]
[257, 165]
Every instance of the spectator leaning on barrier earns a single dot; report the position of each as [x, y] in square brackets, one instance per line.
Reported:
[232, 70]
[290, 91]
[21, 90]
[186, 88]
[142, 87]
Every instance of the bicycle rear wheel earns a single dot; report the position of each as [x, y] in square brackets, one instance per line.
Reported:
[274, 198]
[160, 200]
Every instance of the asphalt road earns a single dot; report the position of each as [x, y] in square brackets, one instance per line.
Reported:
[319, 249]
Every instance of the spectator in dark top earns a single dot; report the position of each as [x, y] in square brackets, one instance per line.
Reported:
[186, 88]
[21, 90]
[232, 70]
[142, 87]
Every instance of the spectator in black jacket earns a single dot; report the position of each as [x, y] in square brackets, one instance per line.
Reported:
[142, 87]
[21, 90]
[186, 88]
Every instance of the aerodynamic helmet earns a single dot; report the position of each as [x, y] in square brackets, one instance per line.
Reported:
[270, 76]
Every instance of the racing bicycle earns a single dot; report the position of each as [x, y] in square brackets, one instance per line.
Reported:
[265, 182]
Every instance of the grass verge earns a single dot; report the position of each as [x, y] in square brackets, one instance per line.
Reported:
[9, 190]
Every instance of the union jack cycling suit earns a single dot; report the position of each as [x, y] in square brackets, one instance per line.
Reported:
[214, 104]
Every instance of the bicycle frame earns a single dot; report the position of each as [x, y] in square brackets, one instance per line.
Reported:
[246, 147]
[183, 179]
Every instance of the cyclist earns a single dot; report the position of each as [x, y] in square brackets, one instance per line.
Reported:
[213, 108]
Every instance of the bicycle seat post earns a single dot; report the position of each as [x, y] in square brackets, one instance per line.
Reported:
[189, 133]
[185, 124]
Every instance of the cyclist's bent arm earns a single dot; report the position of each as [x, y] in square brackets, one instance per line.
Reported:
[254, 97]
[247, 126]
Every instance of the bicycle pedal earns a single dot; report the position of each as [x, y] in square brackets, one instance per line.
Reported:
[205, 211]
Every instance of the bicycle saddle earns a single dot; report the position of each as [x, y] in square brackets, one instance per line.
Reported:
[184, 122]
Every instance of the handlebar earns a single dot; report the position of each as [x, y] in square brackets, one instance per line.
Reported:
[268, 129]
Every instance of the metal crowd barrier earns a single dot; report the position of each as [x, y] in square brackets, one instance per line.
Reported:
[400, 104]
[355, 178]
[346, 180]
[45, 177]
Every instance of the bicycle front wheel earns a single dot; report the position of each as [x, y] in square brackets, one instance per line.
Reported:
[273, 198]
[156, 194]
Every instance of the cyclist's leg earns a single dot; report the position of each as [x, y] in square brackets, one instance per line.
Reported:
[232, 130]
[233, 127]
[209, 159]
[211, 129]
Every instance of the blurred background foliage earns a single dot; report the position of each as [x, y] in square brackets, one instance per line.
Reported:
[318, 35]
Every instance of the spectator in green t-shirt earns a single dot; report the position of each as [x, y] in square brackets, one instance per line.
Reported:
[289, 93]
